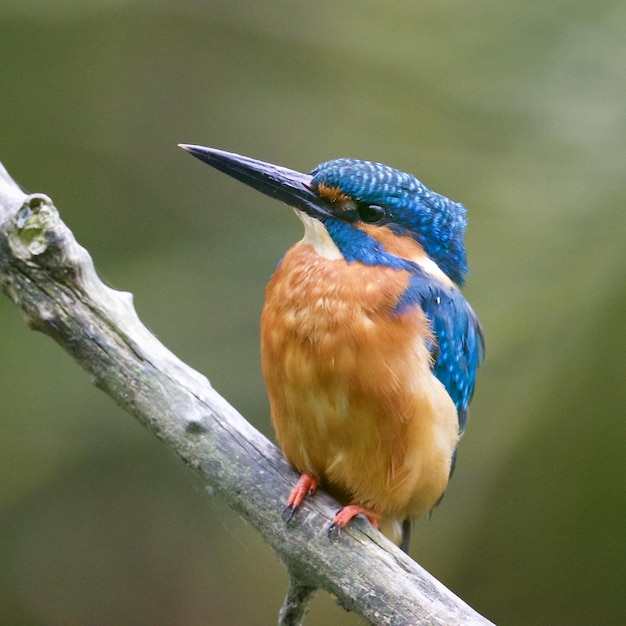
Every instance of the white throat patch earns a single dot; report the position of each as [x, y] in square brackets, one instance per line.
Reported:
[316, 235]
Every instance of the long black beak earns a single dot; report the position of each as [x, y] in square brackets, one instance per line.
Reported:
[275, 181]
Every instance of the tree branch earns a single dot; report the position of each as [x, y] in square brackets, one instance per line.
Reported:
[52, 278]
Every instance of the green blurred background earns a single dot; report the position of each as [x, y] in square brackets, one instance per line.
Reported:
[516, 109]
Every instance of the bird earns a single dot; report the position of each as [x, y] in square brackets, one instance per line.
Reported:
[369, 350]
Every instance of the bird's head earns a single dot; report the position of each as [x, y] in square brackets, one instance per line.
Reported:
[372, 213]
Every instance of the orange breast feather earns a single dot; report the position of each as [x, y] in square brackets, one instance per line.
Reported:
[354, 402]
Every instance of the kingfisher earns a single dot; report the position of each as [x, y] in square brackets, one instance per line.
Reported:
[369, 350]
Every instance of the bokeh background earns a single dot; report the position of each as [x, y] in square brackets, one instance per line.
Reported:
[516, 109]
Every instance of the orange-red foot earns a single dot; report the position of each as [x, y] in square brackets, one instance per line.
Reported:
[306, 486]
[345, 514]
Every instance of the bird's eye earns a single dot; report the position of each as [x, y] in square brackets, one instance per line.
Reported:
[371, 213]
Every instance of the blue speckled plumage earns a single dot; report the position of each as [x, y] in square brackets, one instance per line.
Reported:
[459, 349]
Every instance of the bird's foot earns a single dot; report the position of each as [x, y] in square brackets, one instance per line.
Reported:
[306, 486]
[345, 514]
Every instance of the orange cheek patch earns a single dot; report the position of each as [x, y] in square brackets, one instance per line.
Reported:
[404, 247]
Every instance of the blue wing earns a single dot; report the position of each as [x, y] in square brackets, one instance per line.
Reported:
[460, 345]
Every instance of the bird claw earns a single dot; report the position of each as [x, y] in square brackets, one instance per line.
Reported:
[334, 532]
[345, 514]
[288, 513]
[306, 486]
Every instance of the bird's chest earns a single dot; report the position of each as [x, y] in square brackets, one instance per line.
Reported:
[327, 308]
[336, 359]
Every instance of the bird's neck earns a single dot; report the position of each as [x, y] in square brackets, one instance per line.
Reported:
[369, 245]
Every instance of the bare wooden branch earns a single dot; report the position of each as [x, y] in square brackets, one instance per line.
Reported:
[52, 278]
[296, 604]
